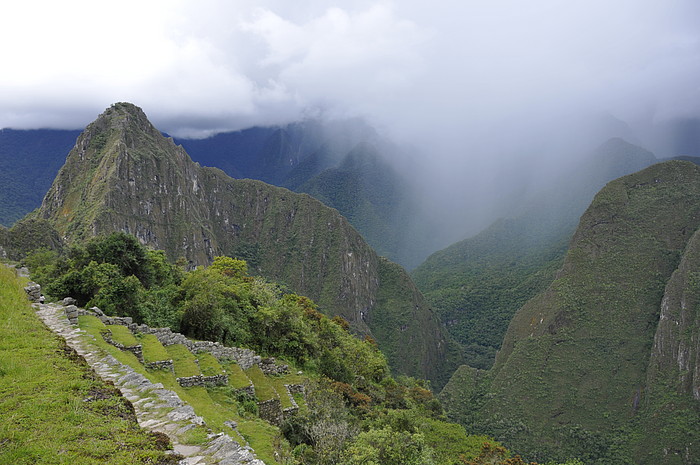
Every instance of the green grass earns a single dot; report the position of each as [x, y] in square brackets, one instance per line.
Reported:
[278, 383]
[237, 378]
[195, 436]
[209, 365]
[264, 388]
[153, 350]
[122, 335]
[183, 361]
[91, 324]
[54, 409]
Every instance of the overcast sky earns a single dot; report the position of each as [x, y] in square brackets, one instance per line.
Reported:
[488, 84]
[411, 67]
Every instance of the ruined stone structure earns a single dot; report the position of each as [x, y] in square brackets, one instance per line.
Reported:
[33, 291]
[200, 380]
[270, 410]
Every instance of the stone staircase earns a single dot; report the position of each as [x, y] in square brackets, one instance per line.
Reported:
[206, 363]
[156, 408]
[124, 334]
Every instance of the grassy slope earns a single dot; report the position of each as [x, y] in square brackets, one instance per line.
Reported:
[53, 407]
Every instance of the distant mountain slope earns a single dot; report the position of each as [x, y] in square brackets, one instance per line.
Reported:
[478, 284]
[341, 163]
[366, 190]
[29, 160]
[603, 365]
[302, 156]
[123, 175]
[265, 153]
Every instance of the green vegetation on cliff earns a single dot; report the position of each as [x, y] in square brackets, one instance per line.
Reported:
[367, 191]
[341, 163]
[572, 377]
[477, 284]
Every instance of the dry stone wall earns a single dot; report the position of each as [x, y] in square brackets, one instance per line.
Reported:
[199, 380]
[33, 291]
[160, 365]
[245, 358]
[270, 410]
[137, 349]
[156, 408]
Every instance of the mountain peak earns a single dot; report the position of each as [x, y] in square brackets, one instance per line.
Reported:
[124, 175]
[123, 111]
[104, 166]
[122, 119]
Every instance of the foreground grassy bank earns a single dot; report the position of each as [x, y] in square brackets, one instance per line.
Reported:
[53, 408]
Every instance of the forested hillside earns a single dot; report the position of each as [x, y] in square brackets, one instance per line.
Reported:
[610, 348]
[29, 160]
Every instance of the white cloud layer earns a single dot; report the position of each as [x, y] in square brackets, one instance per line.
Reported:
[212, 65]
[480, 82]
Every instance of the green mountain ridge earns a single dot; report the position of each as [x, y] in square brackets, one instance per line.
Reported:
[375, 199]
[123, 175]
[603, 364]
[344, 164]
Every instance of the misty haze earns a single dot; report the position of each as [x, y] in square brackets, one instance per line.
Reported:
[498, 199]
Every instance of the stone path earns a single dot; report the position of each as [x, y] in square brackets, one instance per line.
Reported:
[157, 408]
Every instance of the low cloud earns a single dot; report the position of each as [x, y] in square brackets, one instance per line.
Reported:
[409, 67]
[473, 86]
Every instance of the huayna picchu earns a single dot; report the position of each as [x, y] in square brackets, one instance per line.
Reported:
[124, 175]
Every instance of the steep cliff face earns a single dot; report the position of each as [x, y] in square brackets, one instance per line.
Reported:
[571, 377]
[124, 175]
[676, 350]
[344, 164]
[672, 391]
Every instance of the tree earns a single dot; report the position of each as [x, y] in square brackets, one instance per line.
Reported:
[231, 267]
[328, 424]
[387, 446]
[123, 250]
